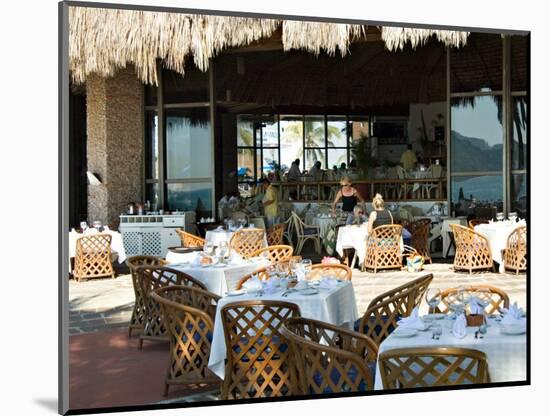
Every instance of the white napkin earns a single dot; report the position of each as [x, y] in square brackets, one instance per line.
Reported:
[220, 228]
[475, 307]
[253, 284]
[328, 283]
[459, 326]
[412, 322]
[235, 258]
[270, 286]
[513, 316]
[196, 260]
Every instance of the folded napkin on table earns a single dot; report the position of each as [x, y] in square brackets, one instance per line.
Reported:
[328, 283]
[235, 258]
[459, 326]
[475, 307]
[220, 228]
[253, 284]
[413, 321]
[195, 260]
[300, 273]
[105, 228]
[270, 286]
[513, 315]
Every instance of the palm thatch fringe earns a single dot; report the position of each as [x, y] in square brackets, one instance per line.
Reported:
[314, 36]
[104, 40]
[397, 37]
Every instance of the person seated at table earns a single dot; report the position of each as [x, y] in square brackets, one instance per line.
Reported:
[349, 196]
[315, 172]
[408, 158]
[380, 215]
[342, 171]
[294, 173]
[358, 217]
[270, 203]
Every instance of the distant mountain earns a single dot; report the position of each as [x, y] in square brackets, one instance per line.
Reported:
[474, 154]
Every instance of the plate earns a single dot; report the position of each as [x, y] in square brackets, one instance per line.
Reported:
[404, 332]
[309, 291]
[513, 329]
[236, 292]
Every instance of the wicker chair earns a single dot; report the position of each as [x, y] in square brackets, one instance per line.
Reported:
[420, 236]
[306, 232]
[258, 359]
[289, 229]
[275, 253]
[384, 248]
[93, 257]
[189, 240]
[247, 241]
[515, 253]
[261, 273]
[152, 278]
[275, 234]
[329, 359]
[498, 298]
[472, 250]
[189, 315]
[431, 367]
[138, 313]
[476, 221]
[382, 314]
[337, 271]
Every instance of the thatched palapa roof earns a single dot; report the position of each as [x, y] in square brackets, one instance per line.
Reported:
[103, 40]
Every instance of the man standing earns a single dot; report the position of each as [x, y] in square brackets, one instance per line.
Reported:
[270, 203]
[408, 158]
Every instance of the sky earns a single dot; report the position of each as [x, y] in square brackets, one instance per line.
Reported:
[481, 122]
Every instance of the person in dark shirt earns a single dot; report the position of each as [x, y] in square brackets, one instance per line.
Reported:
[349, 196]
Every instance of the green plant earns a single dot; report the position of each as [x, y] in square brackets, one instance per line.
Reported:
[361, 151]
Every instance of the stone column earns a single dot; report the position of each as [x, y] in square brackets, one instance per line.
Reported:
[114, 144]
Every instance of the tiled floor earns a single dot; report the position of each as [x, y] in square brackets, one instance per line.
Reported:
[107, 303]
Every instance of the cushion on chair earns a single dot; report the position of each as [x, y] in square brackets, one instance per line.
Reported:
[335, 378]
[310, 231]
[372, 321]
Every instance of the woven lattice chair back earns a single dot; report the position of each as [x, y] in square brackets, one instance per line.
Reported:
[476, 221]
[150, 279]
[189, 315]
[261, 273]
[247, 241]
[382, 314]
[189, 240]
[329, 359]
[420, 237]
[258, 357]
[384, 248]
[138, 313]
[93, 257]
[275, 234]
[496, 297]
[275, 253]
[472, 250]
[515, 254]
[431, 367]
[336, 271]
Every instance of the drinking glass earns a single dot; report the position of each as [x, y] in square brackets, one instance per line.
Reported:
[500, 216]
[433, 298]
[513, 216]
[224, 250]
[292, 265]
[208, 248]
[306, 264]
[83, 226]
[97, 224]
[484, 299]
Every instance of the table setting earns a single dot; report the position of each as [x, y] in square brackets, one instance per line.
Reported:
[501, 336]
[497, 233]
[326, 299]
[224, 233]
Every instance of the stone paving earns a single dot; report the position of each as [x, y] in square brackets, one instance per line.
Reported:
[107, 303]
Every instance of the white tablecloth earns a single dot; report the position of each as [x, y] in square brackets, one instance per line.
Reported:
[506, 354]
[446, 231]
[336, 306]
[217, 280]
[116, 242]
[497, 233]
[324, 224]
[352, 236]
[217, 236]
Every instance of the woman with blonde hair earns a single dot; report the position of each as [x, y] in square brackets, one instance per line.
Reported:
[349, 196]
[380, 215]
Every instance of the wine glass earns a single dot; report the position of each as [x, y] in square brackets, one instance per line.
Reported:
[224, 250]
[513, 216]
[97, 225]
[433, 298]
[306, 265]
[208, 248]
[483, 297]
[83, 226]
[500, 216]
